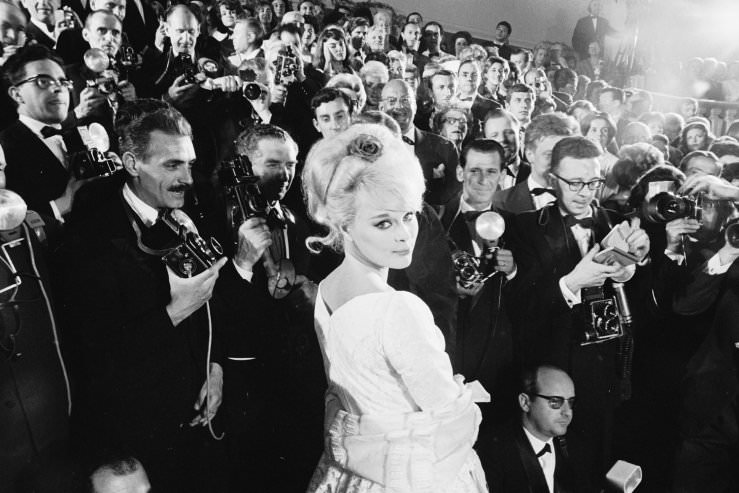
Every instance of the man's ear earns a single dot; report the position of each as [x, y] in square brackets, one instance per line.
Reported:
[86, 35]
[130, 164]
[15, 95]
[460, 173]
[523, 402]
[315, 125]
[529, 154]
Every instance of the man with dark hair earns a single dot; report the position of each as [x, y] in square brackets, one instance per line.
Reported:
[565, 85]
[520, 60]
[541, 136]
[521, 98]
[332, 111]
[71, 45]
[560, 284]
[146, 344]
[433, 36]
[442, 86]
[484, 349]
[531, 454]
[611, 100]
[33, 147]
[591, 28]
[502, 126]
[411, 42]
[501, 39]
[120, 475]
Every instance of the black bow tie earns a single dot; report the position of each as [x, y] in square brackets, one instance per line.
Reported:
[586, 223]
[408, 141]
[48, 131]
[540, 191]
[471, 216]
[544, 450]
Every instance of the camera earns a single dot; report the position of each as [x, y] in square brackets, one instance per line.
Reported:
[286, 66]
[252, 91]
[732, 233]
[65, 18]
[244, 196]
[472, 270]
[193, 254]
[185, 66]
[665, 207]
[93, 163]
[602, 316]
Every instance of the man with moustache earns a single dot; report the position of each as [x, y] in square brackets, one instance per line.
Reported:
[32, 147]
[558, 273]
[501, 126]
[534, 192]
[140, 334]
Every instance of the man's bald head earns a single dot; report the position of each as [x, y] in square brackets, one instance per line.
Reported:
[183, 29]
[399, 101]
[103, 30]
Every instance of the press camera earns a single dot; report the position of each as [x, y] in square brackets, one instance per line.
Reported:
[286, 66]
[471, 270]
[193, 254]
[666, 206]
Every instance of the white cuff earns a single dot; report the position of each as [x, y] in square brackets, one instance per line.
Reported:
[246, 275]
[678, 258]
[56, 212]
[630, 271]
[714, 267]
[571, 298]
[512, 274]
[265, 115]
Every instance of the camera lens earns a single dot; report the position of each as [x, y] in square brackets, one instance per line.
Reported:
[252, 91]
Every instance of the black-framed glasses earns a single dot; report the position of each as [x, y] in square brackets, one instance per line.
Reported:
[44, 81]
[556, 401]
[450, 120]
[576, 186]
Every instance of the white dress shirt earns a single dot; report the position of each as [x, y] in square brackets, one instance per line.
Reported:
[43, 28]
[548, 461]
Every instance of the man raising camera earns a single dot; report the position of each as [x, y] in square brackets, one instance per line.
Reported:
[560, 282]
[141, 330]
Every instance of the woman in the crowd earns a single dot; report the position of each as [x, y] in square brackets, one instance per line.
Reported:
[266, 16]
[596, 67]
[396, 418]
[247, 39]
[308, 37]
[331, 56]
[453, 123]
[695, 136]
[495, 71]
[461, 40]
[279, 7]
[541, 56]
[598, 127]
[224, 18]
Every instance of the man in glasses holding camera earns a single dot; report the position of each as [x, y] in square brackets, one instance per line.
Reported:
[558, 301]
[531, 454]
[32, 147]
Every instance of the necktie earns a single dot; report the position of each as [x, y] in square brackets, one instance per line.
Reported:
[48, 131]
[540, 191]
[544, 450]
[408, 141]
[586, 223]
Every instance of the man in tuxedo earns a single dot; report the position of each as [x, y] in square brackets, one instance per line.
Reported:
[501, 39]
[531, 455]
[411, 36]
[71, 44]
[42, 27]
[332, 111]
[140, 24]
[484, 347]
[520, 102]
[501, 126]
[558, 276]
[437, 155]
[12, 38]
[541, 136]
[590, 28]
[33, 147]
[275, 409]
[146, 349]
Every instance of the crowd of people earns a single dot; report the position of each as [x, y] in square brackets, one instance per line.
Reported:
[286, 246]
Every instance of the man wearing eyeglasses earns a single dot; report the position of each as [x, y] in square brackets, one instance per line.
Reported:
[32, 147]
[532, 455]
[559, 275]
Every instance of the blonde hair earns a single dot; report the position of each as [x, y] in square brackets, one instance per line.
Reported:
[364, 157]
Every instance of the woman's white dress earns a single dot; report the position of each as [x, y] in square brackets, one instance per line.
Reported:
[397, 420]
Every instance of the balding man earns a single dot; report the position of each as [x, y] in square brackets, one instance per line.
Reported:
[12, 37]
[71, 44]
[437, 155]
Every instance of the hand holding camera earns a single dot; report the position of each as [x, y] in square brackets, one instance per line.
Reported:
[181, 91]
[464, 291]
[127, 90]
[254, 238]
[189, 294]
[504, 261]
[90, 100]
[713, 187]
[676, 229]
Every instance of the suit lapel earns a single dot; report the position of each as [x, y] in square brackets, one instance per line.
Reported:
[534, 473]
[27, 133]
[521, 198]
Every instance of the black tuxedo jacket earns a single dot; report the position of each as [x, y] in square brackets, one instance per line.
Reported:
[140, 31]
[511, 465]
[432, 150]
[32, 171]
[514, 200]
[36, 34]
[71, 46]
[584, 34]
[484, 348]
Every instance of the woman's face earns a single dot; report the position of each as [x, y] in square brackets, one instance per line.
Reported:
[459, 45]
[279, 7]
[540, 57]
[454, 126]
[228, 16]
[336, 48]
[382, 234]
[598, 132]
[264, 14]
[695, 139]
[309, 35]
[495, 74]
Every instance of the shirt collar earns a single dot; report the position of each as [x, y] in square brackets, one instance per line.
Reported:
[532, 184]
[411, 133]
[36, 125]
[537, 444]
[146, 213]
[465, 207]
[589, 214]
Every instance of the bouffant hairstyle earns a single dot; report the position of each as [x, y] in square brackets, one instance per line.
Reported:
[364, 158]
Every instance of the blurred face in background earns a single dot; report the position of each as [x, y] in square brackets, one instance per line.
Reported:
[454, 126]
[469, 78]
[412, 36]
[442, 89]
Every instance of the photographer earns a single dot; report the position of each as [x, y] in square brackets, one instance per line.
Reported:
[140, 331]
[274, 404]
[559, 285]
